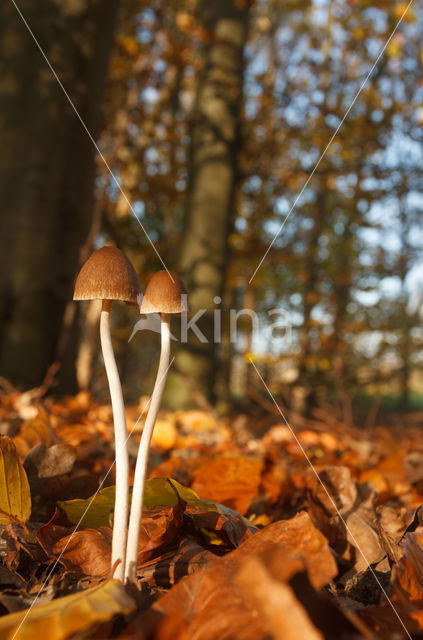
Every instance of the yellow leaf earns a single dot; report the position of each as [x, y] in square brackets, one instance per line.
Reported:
[15, 496]
[184, 20]
[261, 520]
[164, 434]
[403, 11]
[324, 364]
[129, 44]
[64, 617]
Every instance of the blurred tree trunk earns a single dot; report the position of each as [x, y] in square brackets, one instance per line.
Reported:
[88, 346]
[212, 180]
[47, 169]
[312, 274]
[405, 319]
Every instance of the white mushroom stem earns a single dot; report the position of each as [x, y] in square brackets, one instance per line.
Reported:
[120, 517]
[142, 457]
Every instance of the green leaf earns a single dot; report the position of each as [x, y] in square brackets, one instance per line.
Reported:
[158, 492]
[192, 498]
[15, 496]
[64, 617]
[91, 512]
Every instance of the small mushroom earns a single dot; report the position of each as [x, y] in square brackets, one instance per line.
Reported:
[165, 294]
[108, 275]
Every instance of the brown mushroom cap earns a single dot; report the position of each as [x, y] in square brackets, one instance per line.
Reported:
[164, 294]
[107, 275]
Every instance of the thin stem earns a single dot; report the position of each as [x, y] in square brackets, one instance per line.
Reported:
[142, 458]
[120, 517]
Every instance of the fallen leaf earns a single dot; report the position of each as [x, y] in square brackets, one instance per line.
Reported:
[280, 613]
[376, 482]
[164, 434]
[228, 525]
[77, 434]
[15, 497]
[337, 509]
[52, 461]
[408, 579]
[96, 511]
[274, 482]
[395, 472]
[19, 544]
[73, 405]
[336, 491]
[413, 464]
[208, 605]
[195, 420]
[365, 540]
[88, 551]
[403, 615]
[233, 481]
[159, 526]
[90, 512]
[392, 525]
[172, 566]
[8, 578]
[177, 468]
[33, 432]
[64, 617]
[162, 492]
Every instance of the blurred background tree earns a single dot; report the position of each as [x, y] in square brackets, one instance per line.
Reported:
[47, 173]
[214, 117]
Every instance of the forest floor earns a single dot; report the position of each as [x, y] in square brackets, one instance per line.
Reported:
[250, 529]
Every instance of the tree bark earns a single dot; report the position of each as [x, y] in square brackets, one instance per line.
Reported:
[212, 181]
[47, 168]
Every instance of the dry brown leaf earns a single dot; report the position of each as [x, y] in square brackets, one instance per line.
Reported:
[19, 544]
[376, 482]
[208, 605]
[195, 420]
[275, 603]
[392, 526]
[229, 526]
[73, 405]
[339, 494]
[362, 536]
[33, 432]
[77, 434]
[173, 565]
[88, 551]
[394, 472]
[159, 526]
[231, 481]
[54, 461]
[340, 486]
[405, 617]
[408, 580]
[274, 483]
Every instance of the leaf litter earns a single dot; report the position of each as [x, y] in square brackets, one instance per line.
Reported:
[239, 538]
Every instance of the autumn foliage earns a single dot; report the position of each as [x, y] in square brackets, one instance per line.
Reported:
[249, 530]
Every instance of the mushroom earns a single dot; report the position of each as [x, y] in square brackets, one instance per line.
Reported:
[109, 275]
[165, 294]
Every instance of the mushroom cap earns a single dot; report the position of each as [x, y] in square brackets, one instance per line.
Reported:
[165, 293]
[107, 275]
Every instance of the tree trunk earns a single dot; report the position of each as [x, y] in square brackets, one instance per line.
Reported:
[47, 168]
[213, 175]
